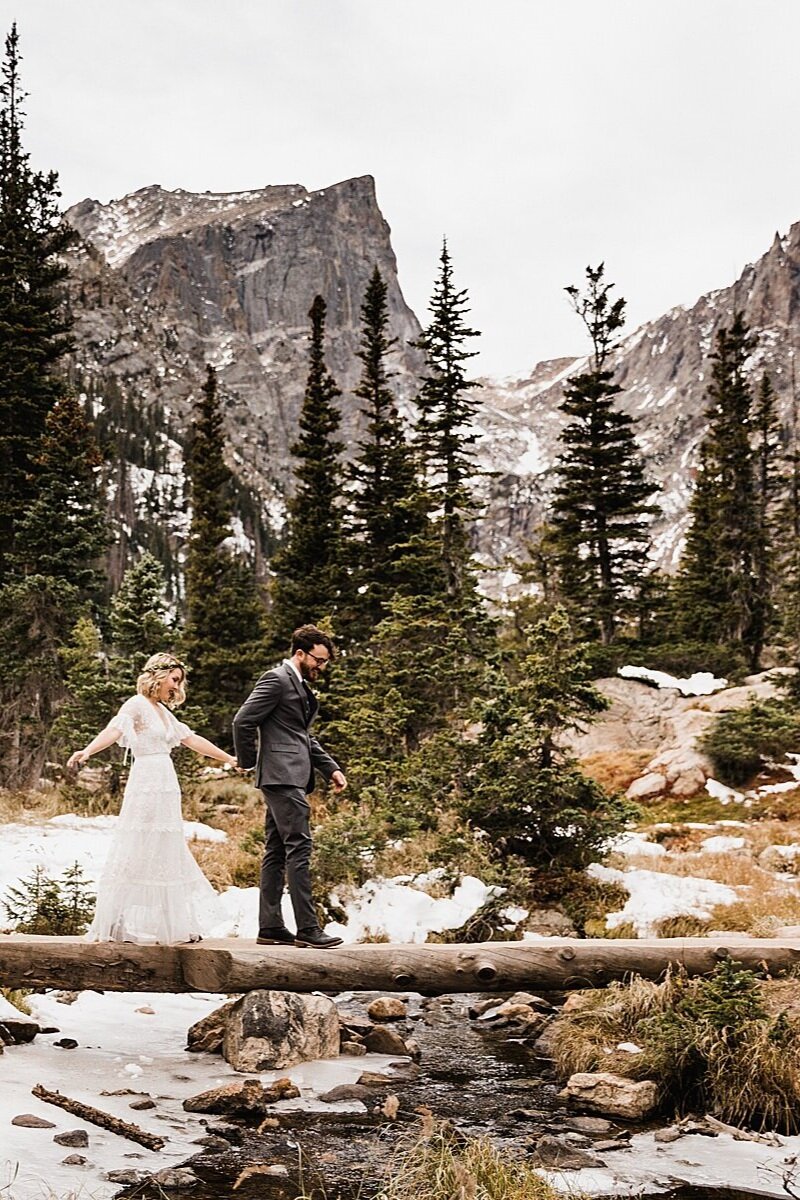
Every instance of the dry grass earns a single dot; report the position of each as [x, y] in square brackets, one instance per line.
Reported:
[439, 1164]
[723, 1043]
[27, 808]
[615, 770]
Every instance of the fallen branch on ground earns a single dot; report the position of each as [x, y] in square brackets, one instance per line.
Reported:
[97, 1117]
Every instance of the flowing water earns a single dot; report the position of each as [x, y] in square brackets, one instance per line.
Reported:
[477, 1078]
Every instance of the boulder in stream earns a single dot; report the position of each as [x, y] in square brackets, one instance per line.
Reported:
[612, 1094]
[265, 1030]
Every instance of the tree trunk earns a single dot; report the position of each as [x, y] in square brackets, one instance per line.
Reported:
[431, 969]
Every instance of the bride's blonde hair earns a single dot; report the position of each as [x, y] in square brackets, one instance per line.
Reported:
[155, 671]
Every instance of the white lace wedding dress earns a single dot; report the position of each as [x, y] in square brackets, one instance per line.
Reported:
[151, 889]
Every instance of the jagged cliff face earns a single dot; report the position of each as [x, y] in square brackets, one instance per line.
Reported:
[664, 369]
[167, 281]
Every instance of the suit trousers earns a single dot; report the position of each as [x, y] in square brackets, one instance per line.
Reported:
[287, 856]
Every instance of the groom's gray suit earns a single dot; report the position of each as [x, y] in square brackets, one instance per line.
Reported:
[278, 715]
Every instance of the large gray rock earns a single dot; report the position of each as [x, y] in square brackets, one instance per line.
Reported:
[613, 1095]
[207, 1033]
[270, 1029]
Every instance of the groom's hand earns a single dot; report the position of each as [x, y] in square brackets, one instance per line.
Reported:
[338, 780]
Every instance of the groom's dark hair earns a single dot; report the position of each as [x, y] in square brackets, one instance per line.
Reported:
[308, 636]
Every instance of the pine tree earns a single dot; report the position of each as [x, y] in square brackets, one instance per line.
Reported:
[63, 532]
[388, 504]
[525, 791]
[767, 482]
[445, 429]
[601, 514]
[94, 691]
[788, 532]
[717, 586]
[34, 325]
[138, 614]
[222, 639]
[311, 580]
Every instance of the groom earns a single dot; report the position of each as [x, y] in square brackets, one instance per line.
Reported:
[280, 710]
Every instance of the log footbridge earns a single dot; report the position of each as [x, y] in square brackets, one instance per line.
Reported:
[226, 966]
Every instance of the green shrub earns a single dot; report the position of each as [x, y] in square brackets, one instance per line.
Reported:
[740, 742]
[41, 905]
[710, 1042]
[344, 849]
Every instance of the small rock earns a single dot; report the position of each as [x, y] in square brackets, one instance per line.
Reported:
[66, 1044]
[611, 1144]
[373, 1079]
[413, 1050]
[670, 1134]
[483, 1006]
[589, 1124]
[347, 1091]
[552, 1152]
[126, 1177]
[175, 1177]
[388, 1008]
[74, 1160]
[29, 1121]
[355, 1023]
[382, 1040]
[652, 784]
[390, 1108]
[66, 997]
[16, 1027]
[147, 1010]
[77, 1138]
[613, 1094]
[526, 1114]
[141, 1105]
[213, 1144]
[354, 1049]
[242, 1097]
[531, 1000]
[120, 1092]
[231, 1133]
[281, 1089]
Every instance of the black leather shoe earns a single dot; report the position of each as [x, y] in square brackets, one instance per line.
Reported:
[276, 937]
[316, 939]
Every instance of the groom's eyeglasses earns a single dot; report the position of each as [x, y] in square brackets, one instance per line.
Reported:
[321, 662]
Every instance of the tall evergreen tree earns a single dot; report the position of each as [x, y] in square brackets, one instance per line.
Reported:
[63, 532]
[311, 580]
[33, 322]
[601, 515]
[138, 612]
[224, 628]
[525, 790]
[787, 555]
[717, 583]
[445, 429]
[767, 450]
[388, 505]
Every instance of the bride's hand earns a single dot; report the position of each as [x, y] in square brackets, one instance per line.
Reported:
[77, 759]
[231, 762]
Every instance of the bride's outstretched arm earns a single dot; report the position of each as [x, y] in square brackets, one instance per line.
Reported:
[201, 745]
[107, 737]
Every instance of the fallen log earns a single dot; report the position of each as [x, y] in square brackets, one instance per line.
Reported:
[96, 1116]
[231, 965]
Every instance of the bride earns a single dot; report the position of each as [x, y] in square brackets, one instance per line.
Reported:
[151, 889]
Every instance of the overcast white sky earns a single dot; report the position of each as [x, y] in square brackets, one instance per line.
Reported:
[539, 136]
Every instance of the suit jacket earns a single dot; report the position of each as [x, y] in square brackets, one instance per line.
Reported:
[271, 731]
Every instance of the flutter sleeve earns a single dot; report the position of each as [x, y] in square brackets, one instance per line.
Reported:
[179, 729]
[126, 722]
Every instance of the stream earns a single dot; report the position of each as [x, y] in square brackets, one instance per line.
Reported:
[476, 1077]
